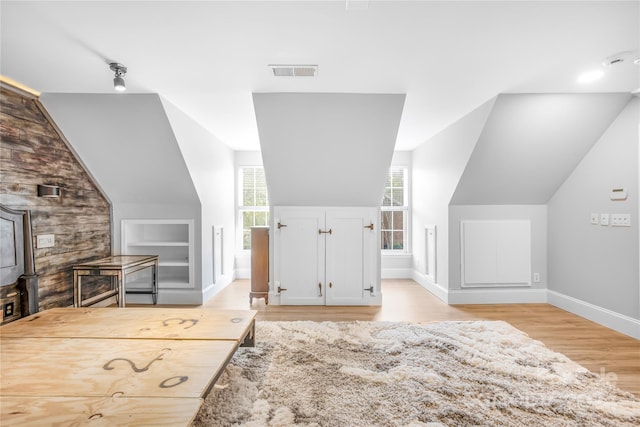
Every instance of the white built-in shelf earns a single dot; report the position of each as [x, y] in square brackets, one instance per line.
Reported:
[173, 263]
[171, 239]
[158, 244]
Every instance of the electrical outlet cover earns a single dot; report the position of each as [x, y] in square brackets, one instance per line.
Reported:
[604, 219]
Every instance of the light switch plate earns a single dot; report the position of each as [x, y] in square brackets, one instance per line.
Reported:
[45, 241]
[604, 219]
[595, 220]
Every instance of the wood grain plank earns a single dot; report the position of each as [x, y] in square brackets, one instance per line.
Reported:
[97, 411]
[33, 153]
[135, 322]
[104, 367]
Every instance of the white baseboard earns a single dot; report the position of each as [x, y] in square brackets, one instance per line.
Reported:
[616, 321]
[243, 273]
[437, 290]
[497, 296]
[213, 289]
[169, 296]
[396, 273]
[376, 300]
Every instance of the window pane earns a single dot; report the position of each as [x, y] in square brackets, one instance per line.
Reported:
[398, 242]
[393, 221]
[386, 200]
[398, 220]
[247, 219]
[247, 197]
[261, 218]
[253, 195]
[246, 239]
[386, 240]
[386, 220]
[261, 197]
[398, 197]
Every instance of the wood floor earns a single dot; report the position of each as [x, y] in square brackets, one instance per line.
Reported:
[599, 349]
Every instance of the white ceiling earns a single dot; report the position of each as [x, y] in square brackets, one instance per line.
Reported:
[208, 57]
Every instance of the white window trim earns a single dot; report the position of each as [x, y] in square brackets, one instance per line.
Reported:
[240, 208]
[407, 220]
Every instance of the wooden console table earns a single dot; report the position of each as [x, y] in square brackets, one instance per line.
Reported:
[116, 267]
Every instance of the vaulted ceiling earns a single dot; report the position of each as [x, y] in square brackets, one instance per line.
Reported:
[208, 57]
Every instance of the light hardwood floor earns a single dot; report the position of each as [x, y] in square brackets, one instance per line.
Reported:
[599, 349]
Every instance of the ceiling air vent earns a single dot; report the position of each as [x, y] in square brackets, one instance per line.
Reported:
[294, 70]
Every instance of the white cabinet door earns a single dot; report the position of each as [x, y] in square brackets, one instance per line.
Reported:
[299, 256]
[348, 255]
[325, 255]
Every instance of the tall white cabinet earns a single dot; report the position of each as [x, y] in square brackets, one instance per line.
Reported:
[326, 256]
[171, 239]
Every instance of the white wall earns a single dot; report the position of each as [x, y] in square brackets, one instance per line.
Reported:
[211, 166]
[593, 269]
[531, 143]
[437, 166]
[537, 215]
[127, 143]
[325, 149]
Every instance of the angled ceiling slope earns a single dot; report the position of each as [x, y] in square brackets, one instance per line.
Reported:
[128, 145]
[531, 143]
[326, 149]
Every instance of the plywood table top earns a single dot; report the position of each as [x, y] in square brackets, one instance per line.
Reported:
[97, 411]
[138, 323]
[115, 366]
[99, 367]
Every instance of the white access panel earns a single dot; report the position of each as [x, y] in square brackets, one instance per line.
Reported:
[299, 255]
[348, 258]
[431, 245]
[495, 253]
[218, 261]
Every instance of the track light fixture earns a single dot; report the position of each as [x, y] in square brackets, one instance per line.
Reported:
[118, 81]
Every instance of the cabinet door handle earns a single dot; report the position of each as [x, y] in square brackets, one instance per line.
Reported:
[370, 226]
[330, 285]
[320, 288]
[281, 225]
[324, 231]
[281, 289]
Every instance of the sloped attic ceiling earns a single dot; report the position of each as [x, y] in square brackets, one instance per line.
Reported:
[327, 149]
[127, 143]
[531, 143]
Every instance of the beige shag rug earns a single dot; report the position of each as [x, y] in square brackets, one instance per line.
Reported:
[398, 374]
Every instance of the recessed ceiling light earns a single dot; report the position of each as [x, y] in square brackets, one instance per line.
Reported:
[590, 76]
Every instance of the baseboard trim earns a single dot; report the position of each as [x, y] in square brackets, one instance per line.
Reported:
[605, 317]
[396, 273]
[437, 290]
[243, 273]
[214, 288]
[168, 296]
[497, 296]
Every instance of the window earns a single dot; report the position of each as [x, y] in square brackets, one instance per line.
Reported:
[394, 211]
[254, 201]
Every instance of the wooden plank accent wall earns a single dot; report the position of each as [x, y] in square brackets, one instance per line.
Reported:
[32, 152]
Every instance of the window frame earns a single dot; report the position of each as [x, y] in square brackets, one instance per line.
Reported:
[405, 209]
[241, 208]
